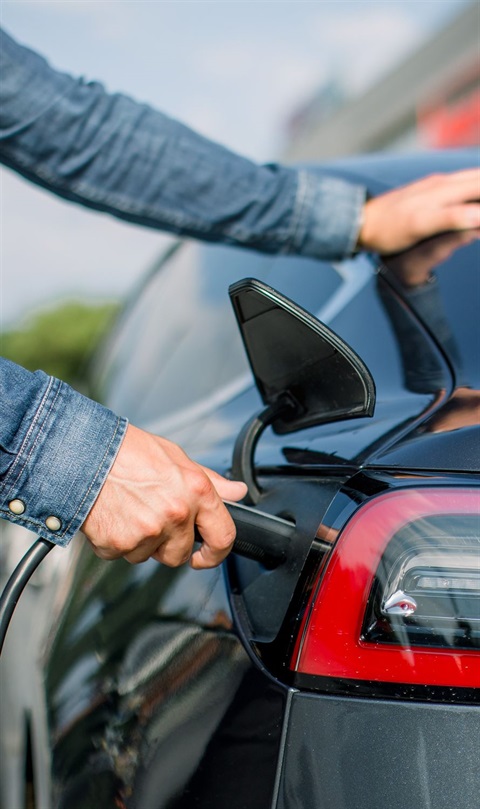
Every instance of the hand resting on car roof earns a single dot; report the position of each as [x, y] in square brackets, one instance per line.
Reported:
[399, 219]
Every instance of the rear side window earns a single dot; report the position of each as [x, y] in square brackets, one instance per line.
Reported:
[179, 344]
[446, 297]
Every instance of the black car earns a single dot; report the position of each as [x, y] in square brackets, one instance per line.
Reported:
[333, 662]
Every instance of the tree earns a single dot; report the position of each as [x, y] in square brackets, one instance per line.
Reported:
[61, 340]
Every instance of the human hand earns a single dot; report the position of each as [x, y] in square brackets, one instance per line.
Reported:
[153, 499]
[442, 202]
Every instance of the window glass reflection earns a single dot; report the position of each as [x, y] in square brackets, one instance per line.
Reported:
[180, 342]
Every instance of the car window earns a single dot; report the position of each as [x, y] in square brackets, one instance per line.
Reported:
[179, 343]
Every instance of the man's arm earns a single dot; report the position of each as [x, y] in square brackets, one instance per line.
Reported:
[113, 154]
[67, 463]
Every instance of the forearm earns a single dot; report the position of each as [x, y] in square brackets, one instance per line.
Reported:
[113, 154]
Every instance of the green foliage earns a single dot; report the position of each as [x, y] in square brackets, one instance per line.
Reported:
[59, 341]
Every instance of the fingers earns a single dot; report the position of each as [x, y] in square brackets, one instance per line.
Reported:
[217, 545]
[211, 520]
[450, 217]
[217, 530]
[460, 186]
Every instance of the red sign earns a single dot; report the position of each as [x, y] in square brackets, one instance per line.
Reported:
[452, 123]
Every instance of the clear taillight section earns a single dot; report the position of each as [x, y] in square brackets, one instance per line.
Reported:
[399, 600]
[426, 590]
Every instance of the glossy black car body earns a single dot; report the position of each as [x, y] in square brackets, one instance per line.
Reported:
[174, 689]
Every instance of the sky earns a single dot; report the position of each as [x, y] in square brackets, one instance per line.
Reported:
[235, 71]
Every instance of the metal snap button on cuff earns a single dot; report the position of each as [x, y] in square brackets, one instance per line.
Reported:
[16, 506]
[53, 523]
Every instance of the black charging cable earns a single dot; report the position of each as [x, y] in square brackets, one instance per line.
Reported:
[262, 537]
[17, 581]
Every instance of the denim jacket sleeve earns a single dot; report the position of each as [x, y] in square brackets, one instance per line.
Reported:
[115, 155]
[56, 449]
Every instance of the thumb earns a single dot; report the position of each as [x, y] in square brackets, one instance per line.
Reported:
[226, 489]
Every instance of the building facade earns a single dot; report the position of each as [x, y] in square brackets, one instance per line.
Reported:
[431, 100]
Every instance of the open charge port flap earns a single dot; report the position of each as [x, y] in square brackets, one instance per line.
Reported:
[261, 596]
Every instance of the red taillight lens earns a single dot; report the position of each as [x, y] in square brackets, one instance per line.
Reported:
[399, 600]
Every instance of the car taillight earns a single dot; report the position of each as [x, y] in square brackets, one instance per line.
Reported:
[399, 599]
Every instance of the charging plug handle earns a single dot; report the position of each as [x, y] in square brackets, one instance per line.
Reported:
[261, 536]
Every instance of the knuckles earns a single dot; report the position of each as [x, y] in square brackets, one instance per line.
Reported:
[172, 557]
[199, 484]
[177, 512]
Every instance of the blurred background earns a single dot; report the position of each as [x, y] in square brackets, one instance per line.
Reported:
[273, 80]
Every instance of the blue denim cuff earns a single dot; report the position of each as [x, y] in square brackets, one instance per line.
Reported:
[67, 450]
[328, 216]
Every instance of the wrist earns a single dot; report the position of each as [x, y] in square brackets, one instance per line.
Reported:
[364, 241]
